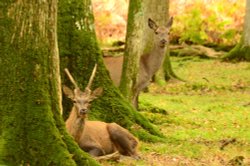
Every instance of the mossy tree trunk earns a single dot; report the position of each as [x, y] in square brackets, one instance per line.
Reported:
[241, 52]
[32, 131]
[79, 52]
[133, 48]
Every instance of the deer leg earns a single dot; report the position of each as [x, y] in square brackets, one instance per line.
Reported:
[125, 142]
[138, 89]
[136, 97]
[135, 100]
[94, 151]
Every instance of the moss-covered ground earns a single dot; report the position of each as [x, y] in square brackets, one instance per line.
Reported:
[206, 119]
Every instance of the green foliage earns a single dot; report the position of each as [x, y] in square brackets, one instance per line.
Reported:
[218, 22]
[197, 22]
[193, 28]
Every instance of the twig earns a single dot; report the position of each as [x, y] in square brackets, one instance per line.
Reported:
[114, 156]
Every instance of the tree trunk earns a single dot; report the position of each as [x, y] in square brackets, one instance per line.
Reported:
[241, 52]
[79, 52]
[133, 48]
[32, 130]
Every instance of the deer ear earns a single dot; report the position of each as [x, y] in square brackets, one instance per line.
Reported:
[152, 24]
[96, 93]
[68, 92]
[170, 22]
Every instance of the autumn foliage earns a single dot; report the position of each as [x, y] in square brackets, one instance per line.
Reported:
[196, 21]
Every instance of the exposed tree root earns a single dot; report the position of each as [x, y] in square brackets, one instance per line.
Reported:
[195, 50]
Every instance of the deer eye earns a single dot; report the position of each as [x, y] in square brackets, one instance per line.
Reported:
[74, 101]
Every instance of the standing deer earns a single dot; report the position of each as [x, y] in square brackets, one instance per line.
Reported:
[151, 62]
[95, 137]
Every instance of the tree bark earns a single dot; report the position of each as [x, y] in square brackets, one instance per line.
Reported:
[241, 52]
[32, 131]
[79, 52]
[133, 48]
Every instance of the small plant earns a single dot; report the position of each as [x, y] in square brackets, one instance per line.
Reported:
[193, 28]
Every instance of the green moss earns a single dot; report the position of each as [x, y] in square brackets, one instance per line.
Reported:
[135, 7]
[238, 53]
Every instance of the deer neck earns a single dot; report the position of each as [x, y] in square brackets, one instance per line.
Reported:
[152, 61]
[75, 124]
[158, 52]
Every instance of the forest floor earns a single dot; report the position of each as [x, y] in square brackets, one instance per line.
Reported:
[207, 118]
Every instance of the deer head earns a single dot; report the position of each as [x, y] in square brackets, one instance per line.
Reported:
[82, 99]
[161, 32]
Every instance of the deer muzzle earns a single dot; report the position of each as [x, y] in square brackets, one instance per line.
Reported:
[83, 111]
[163, 42]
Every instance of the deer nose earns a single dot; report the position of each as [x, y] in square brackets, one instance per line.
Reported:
[163, 41]
[83, 111]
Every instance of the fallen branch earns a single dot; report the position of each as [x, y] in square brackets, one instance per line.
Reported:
[114, 156]
[112, 51]
[195, 50]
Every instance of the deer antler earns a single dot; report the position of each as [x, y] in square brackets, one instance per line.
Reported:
[91, 79]
[71, 78]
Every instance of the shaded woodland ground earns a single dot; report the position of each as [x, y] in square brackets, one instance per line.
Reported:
[205, 119]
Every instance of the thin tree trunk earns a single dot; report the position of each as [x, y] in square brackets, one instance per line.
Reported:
[134, 48]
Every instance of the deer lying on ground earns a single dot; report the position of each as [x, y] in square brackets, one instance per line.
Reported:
[96, 137]
[151, 62]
